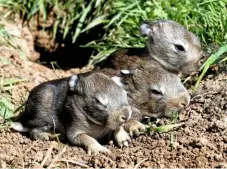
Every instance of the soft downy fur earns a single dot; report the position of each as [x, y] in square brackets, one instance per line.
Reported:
[83, 107]
[170, 44]
[152, 92]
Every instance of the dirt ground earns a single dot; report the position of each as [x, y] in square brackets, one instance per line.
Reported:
[200, 142]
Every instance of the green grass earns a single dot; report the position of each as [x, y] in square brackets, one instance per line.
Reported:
[215, 58]
[172, 124]
[8, 41]
[71, 18]
[165, 128]
[7, 84]
[7, 109]
[120, 19]
[207, 19]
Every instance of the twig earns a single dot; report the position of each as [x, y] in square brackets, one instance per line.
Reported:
[22, 157]
[47, 155]
[18, 108]
[222, 79]
[75, 162]
[203, 95]
[29, 148]
[56, 158]
[67, 164]
[2, 164]
[54, 130]
[138, 164]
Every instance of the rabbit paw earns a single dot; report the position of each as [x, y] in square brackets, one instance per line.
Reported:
[122, 137]
[96, 148]
[134, 127]
[37, 134]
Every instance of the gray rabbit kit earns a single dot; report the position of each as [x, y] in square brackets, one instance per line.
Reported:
[169, 43]
[155, 91]
[84, 107]
[154, 88]
[152, 92]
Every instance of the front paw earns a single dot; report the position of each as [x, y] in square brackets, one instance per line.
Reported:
[134, 127]
[38, 134]
[122, 137]
[96, 148]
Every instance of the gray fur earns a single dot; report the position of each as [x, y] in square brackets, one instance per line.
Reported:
[170, 44]
[153, 90]
[164, 39]
[85, 106]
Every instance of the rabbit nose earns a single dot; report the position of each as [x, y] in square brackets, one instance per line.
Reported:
[179, 102]
[183, 105]
[200, 62]
[123, 118]
[184, 100]
[126, 115]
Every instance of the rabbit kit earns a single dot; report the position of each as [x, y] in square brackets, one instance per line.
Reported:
[84, 107]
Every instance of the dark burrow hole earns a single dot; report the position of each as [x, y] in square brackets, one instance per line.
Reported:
[69, 55]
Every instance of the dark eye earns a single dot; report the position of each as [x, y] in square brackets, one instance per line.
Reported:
[179, 48]
[156, 92]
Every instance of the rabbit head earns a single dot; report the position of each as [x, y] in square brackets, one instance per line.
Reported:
[104, 102]
[172, 45]
[155, 91]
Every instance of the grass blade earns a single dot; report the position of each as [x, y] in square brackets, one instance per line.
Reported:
[223, 60]
[12, 81]
[5, 61]
[166, 128]
[97, 21]
[81, 20]
[214, 57]
[6, 103]
[43, 9]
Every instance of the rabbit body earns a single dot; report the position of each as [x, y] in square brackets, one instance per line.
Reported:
[84, 107]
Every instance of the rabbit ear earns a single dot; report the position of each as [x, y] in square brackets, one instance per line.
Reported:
[117, 80]
[72, 82]
[148, 28]
[145, 28]
[126, 72]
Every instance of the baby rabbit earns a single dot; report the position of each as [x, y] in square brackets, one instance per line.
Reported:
[84, 107]
[155, 91]
[169, 43]
[152, 92]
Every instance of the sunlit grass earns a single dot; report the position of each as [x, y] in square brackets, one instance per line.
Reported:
[7, 84]
[71, 18]
[217, 57]
[6, 106]
[7, 40]
[121, 19]
[207, 19]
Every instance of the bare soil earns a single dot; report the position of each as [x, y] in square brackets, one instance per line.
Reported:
[200, 142]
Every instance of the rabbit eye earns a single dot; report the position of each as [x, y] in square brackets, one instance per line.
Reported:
[179, 48]
[101, 102]
[156, 92]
